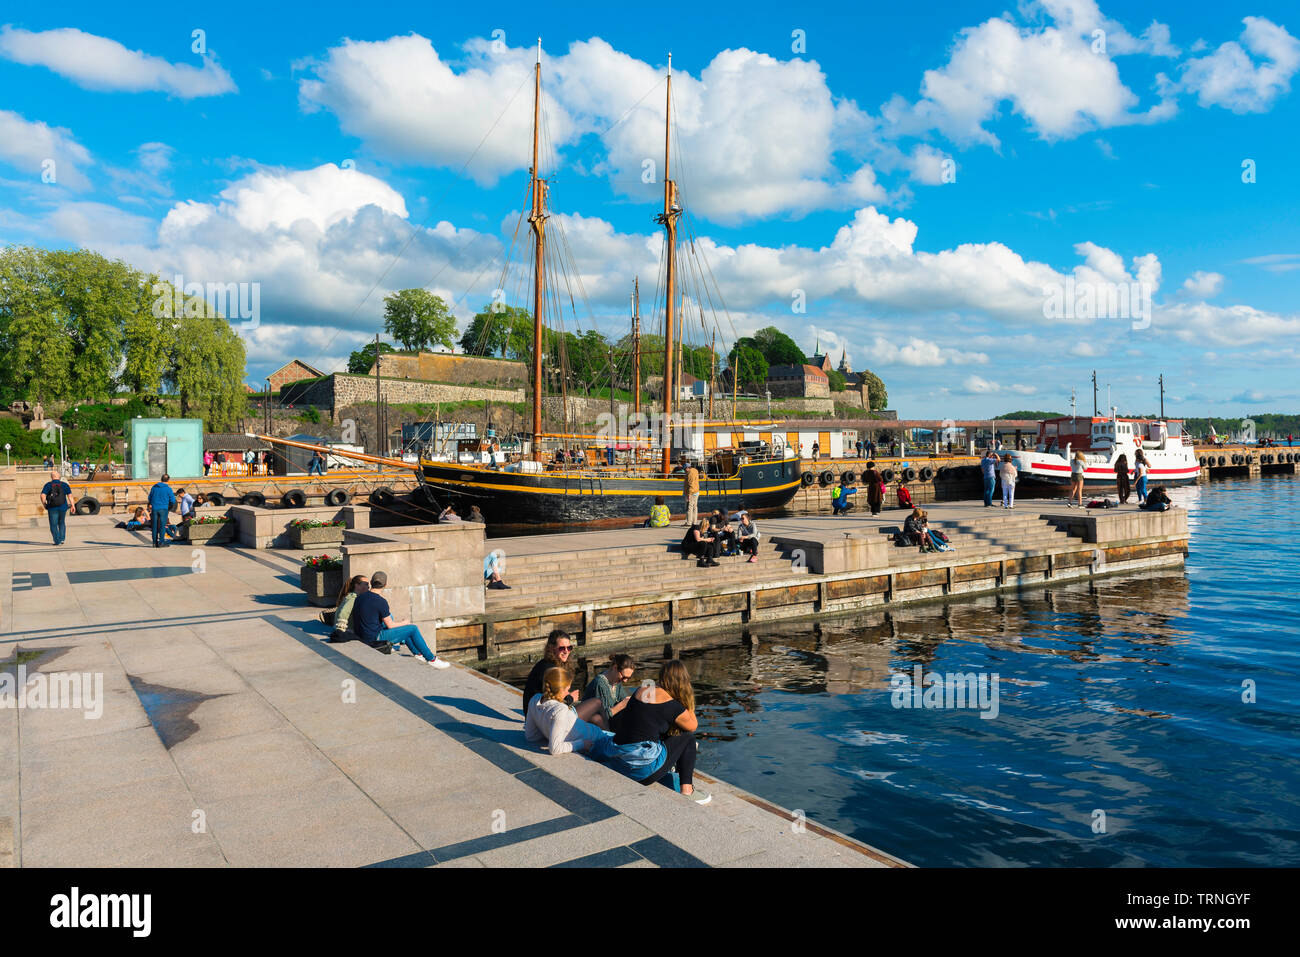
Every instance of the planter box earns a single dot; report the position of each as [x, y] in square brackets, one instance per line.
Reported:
[322, 585]
[213, 534]
[311, 537]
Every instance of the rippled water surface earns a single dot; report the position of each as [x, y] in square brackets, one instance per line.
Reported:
[1120, 705]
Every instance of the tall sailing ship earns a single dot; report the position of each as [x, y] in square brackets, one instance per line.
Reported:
[539, 490]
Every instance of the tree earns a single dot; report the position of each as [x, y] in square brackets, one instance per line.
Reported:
[877, 396]
[837, 380]
[207, 371]
[751, 365]
[508, 331]
[418, 319]
[777, 348]
[363, 360]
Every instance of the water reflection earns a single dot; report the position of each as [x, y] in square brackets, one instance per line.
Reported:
[1120, 702]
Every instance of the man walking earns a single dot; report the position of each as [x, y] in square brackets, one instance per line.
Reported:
[161, 500]
[373, 622]
[56, 495]
[691, 488]
[989, 468]
[317, 465]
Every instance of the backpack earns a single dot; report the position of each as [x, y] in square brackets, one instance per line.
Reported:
[57, 498]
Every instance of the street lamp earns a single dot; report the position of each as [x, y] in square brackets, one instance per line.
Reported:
[7, 448]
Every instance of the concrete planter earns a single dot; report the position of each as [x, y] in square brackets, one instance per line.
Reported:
[217, 533]
[322, 585]
[311, 537]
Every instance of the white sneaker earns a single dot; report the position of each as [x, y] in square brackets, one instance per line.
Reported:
[699, 797]
[439, 663]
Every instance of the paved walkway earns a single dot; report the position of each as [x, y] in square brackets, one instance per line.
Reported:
[231, 733]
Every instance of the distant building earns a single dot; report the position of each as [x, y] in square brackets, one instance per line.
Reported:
[452, 367]
[292, 372]
[803, 381]
[692, 388]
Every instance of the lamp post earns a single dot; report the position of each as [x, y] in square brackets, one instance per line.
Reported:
[7, 448]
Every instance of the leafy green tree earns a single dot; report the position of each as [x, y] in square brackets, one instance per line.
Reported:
[418, 319]
[207, 371]
[837, 380]
[877, 396]
[777, 348]
[508, 332]
[362, 360]
[751, 365]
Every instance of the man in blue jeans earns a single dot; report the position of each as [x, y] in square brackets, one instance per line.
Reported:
[56, 495]
[989, 468]
[161, 500]
[373, 622]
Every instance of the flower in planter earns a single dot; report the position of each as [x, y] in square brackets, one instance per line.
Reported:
[210, 520]
[323, 561]
[312, 523]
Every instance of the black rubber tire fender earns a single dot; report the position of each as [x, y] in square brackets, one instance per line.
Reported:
[927, 473]
[337, 497]
[807, 479]
[87, 505]
[294, 498]
[887, 475]
[216, 498]
[255, 499]
[382, 496]
[909, 474]
[849, 476]
[826, 478]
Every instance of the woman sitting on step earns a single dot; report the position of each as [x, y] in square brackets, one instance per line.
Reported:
[701, 544]
[342, 615]
[747, 537]
[550, 720]
[655, 735]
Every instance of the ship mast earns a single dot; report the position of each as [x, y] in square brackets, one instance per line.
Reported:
[668, 219]
[537, 219]
[636, 345]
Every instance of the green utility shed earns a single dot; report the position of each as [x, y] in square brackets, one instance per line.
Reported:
[174, 446]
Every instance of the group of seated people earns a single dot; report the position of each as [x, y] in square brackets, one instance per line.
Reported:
[918, 533]
[449, 516]
[715, 536]
[646, 732]
[141, 516]
[563, 458]
[362, 614]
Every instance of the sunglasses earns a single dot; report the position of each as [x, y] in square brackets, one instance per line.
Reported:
[564, 647]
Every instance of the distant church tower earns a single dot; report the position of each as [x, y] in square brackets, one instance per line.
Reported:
[844, 363]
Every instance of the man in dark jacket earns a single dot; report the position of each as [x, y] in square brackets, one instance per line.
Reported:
[56, 496]
[161, 500]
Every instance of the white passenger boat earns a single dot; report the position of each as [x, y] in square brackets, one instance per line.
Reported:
[1170, 455]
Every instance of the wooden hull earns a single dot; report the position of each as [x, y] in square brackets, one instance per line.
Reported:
[594, 496]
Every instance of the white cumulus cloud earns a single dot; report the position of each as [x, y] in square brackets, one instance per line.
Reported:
[98, 63]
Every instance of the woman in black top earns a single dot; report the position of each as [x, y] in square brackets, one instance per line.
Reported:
[559, 654]
[1121, 477]
[665, 711]
[700, 543]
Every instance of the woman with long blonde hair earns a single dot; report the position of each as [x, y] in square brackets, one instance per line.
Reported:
[655, 735]
[552, 721]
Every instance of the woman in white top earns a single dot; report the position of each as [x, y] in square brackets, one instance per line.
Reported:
[1076, 479]
[747, 536]
[551, 722]
[1141, 469]
[1008, 473]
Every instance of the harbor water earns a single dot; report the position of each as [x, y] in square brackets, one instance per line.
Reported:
[1143, 720]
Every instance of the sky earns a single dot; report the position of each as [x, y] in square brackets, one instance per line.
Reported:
[981, 203]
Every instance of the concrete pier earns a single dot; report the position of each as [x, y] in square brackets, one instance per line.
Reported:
[627, 585]
[230, 733]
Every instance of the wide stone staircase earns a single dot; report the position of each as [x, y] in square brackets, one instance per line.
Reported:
[560, 578]
[1000, 535]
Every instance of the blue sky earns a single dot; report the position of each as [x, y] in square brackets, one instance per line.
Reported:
[927, 179]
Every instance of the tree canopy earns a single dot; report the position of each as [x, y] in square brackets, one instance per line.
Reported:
[77, 326]
[751, 365]
[418, 319]
[776, 347]
[877, 396]
[506, 331]
[362, 360]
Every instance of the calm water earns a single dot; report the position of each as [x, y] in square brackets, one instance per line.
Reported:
[1122, 700]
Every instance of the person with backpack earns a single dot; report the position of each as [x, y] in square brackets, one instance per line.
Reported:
[840, 503]
[56, 495]
[161, 501]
